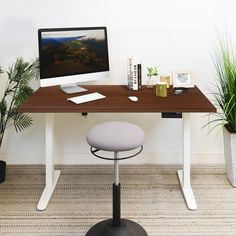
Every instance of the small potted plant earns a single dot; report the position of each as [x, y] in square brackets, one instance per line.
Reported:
[152, 71]
[225, 100]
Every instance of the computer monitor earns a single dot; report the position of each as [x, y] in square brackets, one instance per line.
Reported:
[71, 55]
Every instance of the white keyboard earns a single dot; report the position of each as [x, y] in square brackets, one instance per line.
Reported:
[86, 98]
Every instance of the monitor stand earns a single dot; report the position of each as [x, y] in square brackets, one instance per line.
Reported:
[72, 88]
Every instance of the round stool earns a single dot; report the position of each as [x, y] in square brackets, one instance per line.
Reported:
[116, 137]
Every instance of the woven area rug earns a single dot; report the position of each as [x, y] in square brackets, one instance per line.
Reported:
[151, 196]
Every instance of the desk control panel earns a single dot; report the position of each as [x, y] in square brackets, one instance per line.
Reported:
[86, 98]
[171, 115]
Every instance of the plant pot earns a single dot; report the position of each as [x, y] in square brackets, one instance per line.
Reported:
[150, 82]
[2, 171]
[230, 155]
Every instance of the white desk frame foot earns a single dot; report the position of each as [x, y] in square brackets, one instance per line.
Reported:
[52, 175]
[184, 175]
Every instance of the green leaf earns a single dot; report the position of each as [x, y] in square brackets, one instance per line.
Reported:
[22, 121]
[3, 108]
[152, 71]
[20, 74]
[22, 94]
[224, 92]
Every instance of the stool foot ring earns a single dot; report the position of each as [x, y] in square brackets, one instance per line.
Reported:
[95, 150]
[127, 228]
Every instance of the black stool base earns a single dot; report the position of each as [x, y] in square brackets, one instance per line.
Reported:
[127, 228]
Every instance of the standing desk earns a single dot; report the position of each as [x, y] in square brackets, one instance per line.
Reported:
[50, 100]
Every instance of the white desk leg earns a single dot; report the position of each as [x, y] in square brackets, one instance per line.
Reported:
[51, 174]
[184, 175]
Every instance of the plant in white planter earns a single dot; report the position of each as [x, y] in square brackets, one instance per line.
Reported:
[225, 100]
[17, 89]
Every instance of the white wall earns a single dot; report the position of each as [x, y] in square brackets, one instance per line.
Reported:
[171, 34]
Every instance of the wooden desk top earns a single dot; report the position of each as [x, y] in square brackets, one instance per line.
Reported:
[53, 100]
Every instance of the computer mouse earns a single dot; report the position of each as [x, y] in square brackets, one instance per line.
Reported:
[133, 98]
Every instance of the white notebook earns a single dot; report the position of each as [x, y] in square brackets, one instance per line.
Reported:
[86, 98]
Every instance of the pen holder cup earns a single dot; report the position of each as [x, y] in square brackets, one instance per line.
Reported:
[165, 78]
[161, 89]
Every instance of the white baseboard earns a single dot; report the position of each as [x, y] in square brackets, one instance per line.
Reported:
[87, 158]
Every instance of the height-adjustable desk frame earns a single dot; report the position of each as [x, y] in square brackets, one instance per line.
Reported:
[52, 100]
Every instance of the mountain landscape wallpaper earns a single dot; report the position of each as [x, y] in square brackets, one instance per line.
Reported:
[73, 52]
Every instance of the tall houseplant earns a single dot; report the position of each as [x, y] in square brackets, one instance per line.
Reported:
[17, 89]
[225, 100]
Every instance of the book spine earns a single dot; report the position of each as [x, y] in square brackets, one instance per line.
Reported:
[130, 72]
[139, 75]
[135, 75]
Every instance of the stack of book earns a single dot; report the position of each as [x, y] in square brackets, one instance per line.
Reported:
[134, 73]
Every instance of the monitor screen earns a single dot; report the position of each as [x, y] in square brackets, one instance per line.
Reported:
[66, 52]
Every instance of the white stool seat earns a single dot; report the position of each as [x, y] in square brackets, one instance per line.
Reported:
[116, 136]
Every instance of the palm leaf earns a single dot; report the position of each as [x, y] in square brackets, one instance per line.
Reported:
[22, 94]
[22, 121]
[3, 108]
[18, 89]
[23, 72]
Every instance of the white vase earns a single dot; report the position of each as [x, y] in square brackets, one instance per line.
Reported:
[230, 155]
